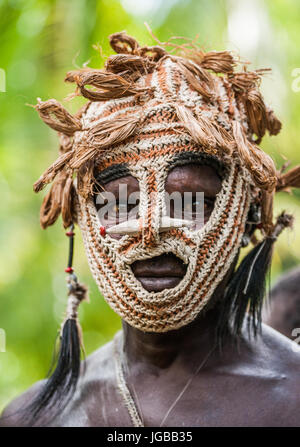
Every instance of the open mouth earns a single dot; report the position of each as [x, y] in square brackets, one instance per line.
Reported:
[159, 273]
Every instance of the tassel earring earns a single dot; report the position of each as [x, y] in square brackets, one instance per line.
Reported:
[246, 289]
[60, 386]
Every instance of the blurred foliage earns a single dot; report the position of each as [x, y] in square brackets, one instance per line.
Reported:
[40, 41]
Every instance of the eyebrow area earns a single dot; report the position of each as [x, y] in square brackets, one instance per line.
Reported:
[190, 157]
[113, 172]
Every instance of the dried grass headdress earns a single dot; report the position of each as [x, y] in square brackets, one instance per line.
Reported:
[230, 119]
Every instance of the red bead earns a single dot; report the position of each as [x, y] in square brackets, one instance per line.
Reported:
[70, 233]
[69, 270]
[102, 231]
[259, 226]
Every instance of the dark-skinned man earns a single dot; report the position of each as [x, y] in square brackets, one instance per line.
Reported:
[182, 134]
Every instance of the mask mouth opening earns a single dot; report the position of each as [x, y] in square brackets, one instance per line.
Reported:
[160, 272]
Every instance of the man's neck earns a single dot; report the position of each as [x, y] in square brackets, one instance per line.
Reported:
[161, 349]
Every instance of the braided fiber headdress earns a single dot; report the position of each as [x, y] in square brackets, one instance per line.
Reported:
[148, 111]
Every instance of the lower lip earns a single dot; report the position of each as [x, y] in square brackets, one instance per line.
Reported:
[156, 284]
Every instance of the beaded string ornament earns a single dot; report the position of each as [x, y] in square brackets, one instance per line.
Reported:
[148, 111]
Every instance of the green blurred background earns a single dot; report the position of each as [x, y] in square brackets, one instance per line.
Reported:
[40, 42]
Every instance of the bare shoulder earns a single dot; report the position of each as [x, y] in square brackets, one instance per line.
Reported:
[275, 364]
[278, 355]
[96, 379]
[283, 352]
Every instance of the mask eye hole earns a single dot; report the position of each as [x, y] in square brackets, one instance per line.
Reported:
[191, 191]
[197, 208]
[113, 211]
[116, 200]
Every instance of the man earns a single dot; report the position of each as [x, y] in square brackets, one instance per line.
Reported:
[283, 311]
[158, 124]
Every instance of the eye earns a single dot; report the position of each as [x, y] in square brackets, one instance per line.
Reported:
[112, 212]
[192, 207]
[208, 205]
[196, 206]
[121, 208]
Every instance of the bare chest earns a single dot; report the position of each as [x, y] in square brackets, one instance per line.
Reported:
[220, 399]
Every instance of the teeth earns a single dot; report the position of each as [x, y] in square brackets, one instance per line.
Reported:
[134, 226]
